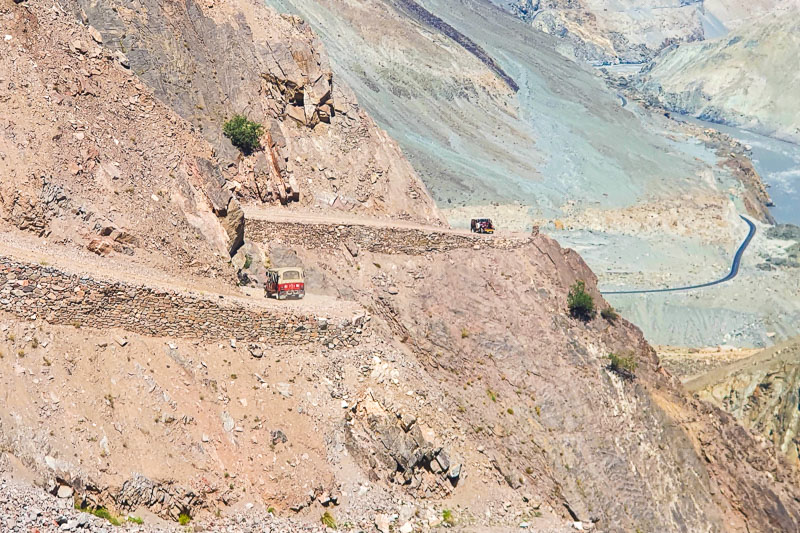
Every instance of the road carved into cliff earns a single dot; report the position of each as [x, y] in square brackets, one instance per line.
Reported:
[737, 259]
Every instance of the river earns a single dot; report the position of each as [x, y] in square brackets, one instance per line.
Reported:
[778, 163]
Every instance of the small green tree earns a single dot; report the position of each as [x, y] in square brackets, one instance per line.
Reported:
[624, 366]
[243, 133]
[581, 303]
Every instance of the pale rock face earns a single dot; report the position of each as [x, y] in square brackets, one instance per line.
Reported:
[629, 31]
[741, 79]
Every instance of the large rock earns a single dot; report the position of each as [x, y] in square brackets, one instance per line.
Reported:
[224, 204]
[250, 267]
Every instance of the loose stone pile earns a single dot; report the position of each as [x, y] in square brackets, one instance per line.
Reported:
[26, 509]
[33, 291]
[408, 241]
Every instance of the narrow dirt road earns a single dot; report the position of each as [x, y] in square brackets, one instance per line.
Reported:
[280, 214]
[115, 269]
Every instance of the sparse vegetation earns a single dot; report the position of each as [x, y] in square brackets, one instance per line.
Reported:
[447, 517]
[271, 510]
[328, 520]
[464, 333]
[510, 411]
[184, 519]
[100, 512]
[581, 303]
[248, 260]
[491, 394]
[610, 314]
[625, 366]
[244, 134]
[135, 520]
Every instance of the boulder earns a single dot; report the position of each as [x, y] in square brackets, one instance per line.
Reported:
[95, 35]
[250, 268]
[100, 247]
[223, 203]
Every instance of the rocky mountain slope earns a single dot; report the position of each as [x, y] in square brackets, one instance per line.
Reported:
[403, 393]
[740, 79]
[210, 61]
[414, 405]
[761, 392]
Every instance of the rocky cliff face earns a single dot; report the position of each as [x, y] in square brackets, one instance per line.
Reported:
[761, 391]
[89, 157]
[210, 61]
[739, 79]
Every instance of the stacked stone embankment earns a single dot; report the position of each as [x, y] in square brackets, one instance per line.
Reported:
[32, 291]
[385, 240]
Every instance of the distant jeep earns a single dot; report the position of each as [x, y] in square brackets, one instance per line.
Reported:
[481, 225]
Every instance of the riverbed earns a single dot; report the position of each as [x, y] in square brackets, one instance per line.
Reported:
[778, 163]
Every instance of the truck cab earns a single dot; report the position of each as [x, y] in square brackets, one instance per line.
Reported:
[285, 283]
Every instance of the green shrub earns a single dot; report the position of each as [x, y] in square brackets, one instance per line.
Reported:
[135, 520]
[243, 133]
[248, 260]
[100, 512]
[447, 517]
[625, 366]
[581, 303]
[328, 520]
[184, 519]
[610, 314]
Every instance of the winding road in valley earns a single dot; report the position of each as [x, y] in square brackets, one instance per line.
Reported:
[737, 259]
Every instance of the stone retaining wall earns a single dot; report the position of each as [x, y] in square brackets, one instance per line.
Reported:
[34, 291]
[406, 241]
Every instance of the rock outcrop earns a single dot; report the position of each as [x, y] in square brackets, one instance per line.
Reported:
[396, 449]
[223, 202]
[761, 391]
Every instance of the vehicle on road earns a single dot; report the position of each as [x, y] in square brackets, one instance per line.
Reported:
[481, 225]
[285, 283]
